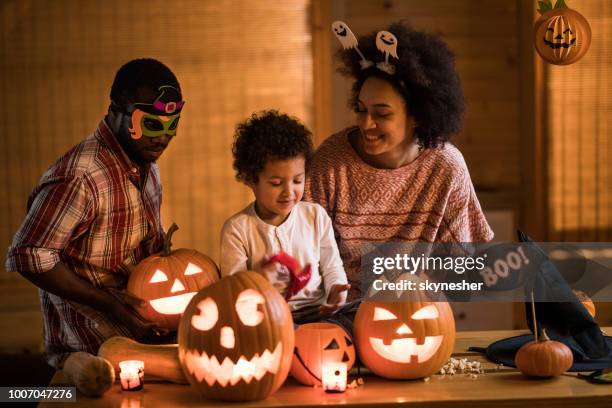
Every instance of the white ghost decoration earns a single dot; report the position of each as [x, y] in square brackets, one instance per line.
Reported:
[387, 44]
[348, 40]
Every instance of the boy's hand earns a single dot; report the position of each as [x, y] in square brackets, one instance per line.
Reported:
[335, 299]
[276, 274]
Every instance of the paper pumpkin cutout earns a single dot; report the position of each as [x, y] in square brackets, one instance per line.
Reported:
[561, 35]
[404, 339]
[167, 281]
[317, 344]
[236, 339]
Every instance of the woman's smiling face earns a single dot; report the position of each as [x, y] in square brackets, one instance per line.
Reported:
[383, 119]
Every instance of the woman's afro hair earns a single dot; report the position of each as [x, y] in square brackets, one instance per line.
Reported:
[269, 135]
[425, 76]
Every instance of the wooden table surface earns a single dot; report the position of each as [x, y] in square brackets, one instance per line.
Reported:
[497, 387]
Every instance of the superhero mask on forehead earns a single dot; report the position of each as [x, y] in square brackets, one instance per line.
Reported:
[158, 118]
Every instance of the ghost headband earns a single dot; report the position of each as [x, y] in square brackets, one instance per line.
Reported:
[385, 42]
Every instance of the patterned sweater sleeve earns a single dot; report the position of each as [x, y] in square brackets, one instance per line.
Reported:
[463, 218]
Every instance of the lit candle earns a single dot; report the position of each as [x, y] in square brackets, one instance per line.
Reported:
[334, 377]
[131, 375]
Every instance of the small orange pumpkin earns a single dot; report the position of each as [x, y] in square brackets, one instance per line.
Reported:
[561, 35]
[317, 344]
[586, 302]
[405, 339]
[167, 281]
[544, 357]
[236, 339]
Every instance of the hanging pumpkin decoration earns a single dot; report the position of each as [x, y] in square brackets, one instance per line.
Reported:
[236, 339]
[561, 35]
[544, 357]
[404, 339]
[317, 344]
[167, 281]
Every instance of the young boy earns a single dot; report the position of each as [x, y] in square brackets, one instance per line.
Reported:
[271, 154]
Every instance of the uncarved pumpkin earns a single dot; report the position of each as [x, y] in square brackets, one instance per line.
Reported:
[317, 344]
[586, 301]
[92, 375]
[562, 36]
[406, 339]
[236, 339]
[167, 281]
[544, 358]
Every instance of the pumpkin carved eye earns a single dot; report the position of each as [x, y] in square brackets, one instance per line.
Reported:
[383, 314]
[427, 312]
[208, 316]
[158, 276]
[333, 345]
[192, 269]
[246, 306]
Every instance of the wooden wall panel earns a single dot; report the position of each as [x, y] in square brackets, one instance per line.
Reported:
[58, 60]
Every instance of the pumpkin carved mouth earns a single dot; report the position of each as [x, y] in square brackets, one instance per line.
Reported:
[211, 370]
[404, 350]
[172, 304]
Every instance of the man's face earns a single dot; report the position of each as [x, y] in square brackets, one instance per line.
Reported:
[144, 136]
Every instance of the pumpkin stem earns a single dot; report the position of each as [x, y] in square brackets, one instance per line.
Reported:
[544, 336]
[166, 249]
[545, 6]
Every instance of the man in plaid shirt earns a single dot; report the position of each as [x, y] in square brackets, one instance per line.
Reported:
[96, 213]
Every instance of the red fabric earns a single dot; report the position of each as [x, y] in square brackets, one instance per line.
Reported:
[298, 277]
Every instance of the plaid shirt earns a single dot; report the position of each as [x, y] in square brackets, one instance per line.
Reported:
[95, 212]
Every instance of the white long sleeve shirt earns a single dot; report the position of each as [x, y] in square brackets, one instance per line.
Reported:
[306, 234]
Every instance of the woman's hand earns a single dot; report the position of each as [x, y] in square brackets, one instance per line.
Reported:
[335, 299]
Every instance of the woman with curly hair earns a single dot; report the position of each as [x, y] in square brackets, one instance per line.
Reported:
[395, 175]
[271, 154]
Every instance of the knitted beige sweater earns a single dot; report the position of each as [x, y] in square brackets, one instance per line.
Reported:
[431, 199]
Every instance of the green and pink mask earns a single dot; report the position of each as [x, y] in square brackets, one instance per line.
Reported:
[158, 118]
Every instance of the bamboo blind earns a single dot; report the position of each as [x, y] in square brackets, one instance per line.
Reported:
[58, 60]
[579, 120]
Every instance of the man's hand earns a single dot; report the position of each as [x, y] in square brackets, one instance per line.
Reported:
[335, 299]
[127, 313]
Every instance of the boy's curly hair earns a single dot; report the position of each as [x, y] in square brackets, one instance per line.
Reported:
[425, 77]
[268, 135]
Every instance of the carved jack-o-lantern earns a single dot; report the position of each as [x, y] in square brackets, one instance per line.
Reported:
[562, 36]
[317, 344]
[404, 339]
[236, 339]
[167, 281]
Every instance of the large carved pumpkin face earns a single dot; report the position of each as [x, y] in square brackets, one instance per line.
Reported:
[562, 36]
[236, 339]
[317, 344]
[404, 339]
[167, 282]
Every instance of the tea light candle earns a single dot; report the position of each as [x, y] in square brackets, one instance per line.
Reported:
[334, 377]
[131, 375]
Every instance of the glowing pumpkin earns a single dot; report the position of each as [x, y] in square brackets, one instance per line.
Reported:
[561, 35]
[404, 339]
[317, 344]
[167, 281]
[236, 339]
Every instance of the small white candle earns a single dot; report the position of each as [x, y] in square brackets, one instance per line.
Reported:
[334, 377]
[131, 375]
